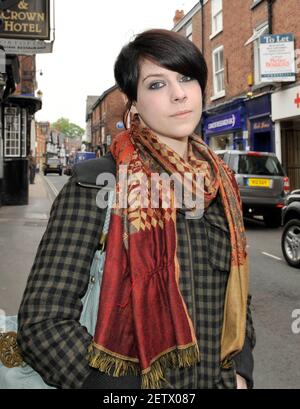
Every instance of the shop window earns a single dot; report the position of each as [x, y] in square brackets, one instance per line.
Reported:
[221, 142]
[216, 17]
[218, 72]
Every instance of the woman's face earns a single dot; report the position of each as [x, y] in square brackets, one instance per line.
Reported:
[168, 102]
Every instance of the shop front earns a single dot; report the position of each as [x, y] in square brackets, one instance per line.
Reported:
[17, 113]
[261, 126]
[226, 130]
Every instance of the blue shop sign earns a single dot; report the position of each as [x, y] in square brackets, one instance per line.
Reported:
[261, 125]
[223, 123]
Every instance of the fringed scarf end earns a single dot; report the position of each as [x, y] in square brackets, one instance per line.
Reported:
[111, 365]
[152, 377]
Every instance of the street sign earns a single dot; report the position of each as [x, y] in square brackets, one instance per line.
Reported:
[26, 47]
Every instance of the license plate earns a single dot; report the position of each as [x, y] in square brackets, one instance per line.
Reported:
[52, 166]
[259, 182]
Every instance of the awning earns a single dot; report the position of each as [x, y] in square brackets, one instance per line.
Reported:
[257, 34]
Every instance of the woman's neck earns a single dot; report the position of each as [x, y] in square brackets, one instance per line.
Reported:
[180, 146]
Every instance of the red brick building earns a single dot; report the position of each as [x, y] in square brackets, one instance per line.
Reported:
[107, 119]
[242, 110]
[42, 131]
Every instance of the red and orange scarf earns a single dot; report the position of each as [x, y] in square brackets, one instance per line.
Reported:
[143, 324]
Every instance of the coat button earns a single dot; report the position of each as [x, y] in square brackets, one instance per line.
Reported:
[93, 279]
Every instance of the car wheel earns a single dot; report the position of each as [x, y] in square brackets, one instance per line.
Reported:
[272, 219]
[45, 173]
[290, 243]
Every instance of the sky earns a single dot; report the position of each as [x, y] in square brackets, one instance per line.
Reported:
[88, 37]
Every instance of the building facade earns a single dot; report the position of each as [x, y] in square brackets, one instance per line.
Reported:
[106, 119]
[19, 98]
[18, 107]
[42, 131]
[242, 109]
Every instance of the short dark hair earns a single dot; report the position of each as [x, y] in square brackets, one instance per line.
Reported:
[166, 48]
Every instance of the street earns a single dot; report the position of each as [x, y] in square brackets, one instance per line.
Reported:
[274, 286]
[275, 289]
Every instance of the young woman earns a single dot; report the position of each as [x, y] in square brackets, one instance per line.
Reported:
[174, 309]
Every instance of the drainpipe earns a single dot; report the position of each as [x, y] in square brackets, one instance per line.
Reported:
[202, 26]
[270, 15]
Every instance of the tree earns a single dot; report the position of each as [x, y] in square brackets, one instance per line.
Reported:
[69, 129]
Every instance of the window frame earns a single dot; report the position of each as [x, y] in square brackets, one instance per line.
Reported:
[189, 32]
[218, 93]
[256, 55]
[12, 132]
[214, 15]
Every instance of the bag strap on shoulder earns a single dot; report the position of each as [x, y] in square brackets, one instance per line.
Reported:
[103, 236]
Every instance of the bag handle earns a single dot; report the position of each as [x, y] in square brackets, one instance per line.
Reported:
[103, 237]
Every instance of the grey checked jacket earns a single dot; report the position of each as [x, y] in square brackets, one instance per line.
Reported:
[50, 336]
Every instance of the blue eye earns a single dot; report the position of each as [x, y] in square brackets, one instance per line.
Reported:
[185, 78]
[156, 85]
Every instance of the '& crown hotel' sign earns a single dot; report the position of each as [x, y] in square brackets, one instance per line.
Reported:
[25, 19]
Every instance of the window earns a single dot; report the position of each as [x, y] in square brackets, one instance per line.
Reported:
[23, 131]
[259, 165]
[257, 32]
[189, 32]
[218, 72]
[255, 3]
[216, 17]
[12, 134]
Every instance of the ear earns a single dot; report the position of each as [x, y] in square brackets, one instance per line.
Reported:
[133, 109]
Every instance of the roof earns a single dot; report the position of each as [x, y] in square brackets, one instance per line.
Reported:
[105, 93]
[181, 23]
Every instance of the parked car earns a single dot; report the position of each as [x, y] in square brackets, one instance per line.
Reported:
[53, 165]
[290, 239]
[262, 182]
[68, 170]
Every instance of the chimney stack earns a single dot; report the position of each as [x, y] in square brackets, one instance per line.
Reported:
[179, 14]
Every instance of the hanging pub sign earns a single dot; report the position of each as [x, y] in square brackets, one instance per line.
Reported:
[25, 19]
[277, 58]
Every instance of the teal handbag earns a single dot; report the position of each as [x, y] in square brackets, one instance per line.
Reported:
[14, 373]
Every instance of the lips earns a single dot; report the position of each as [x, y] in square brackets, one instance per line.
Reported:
[180, 114]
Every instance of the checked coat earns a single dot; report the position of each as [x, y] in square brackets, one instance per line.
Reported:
[50, 336]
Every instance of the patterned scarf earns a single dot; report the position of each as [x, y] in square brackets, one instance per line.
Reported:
[143, 324]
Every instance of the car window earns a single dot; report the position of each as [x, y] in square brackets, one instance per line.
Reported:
[53, 161]
[259, 165]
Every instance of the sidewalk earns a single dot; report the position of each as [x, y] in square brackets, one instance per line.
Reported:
[21, 229]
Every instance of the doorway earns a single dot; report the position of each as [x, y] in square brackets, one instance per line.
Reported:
[262, 141]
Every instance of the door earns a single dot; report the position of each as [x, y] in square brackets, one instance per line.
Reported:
[262, 141]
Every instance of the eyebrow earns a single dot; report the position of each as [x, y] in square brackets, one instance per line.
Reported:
[153, 75]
